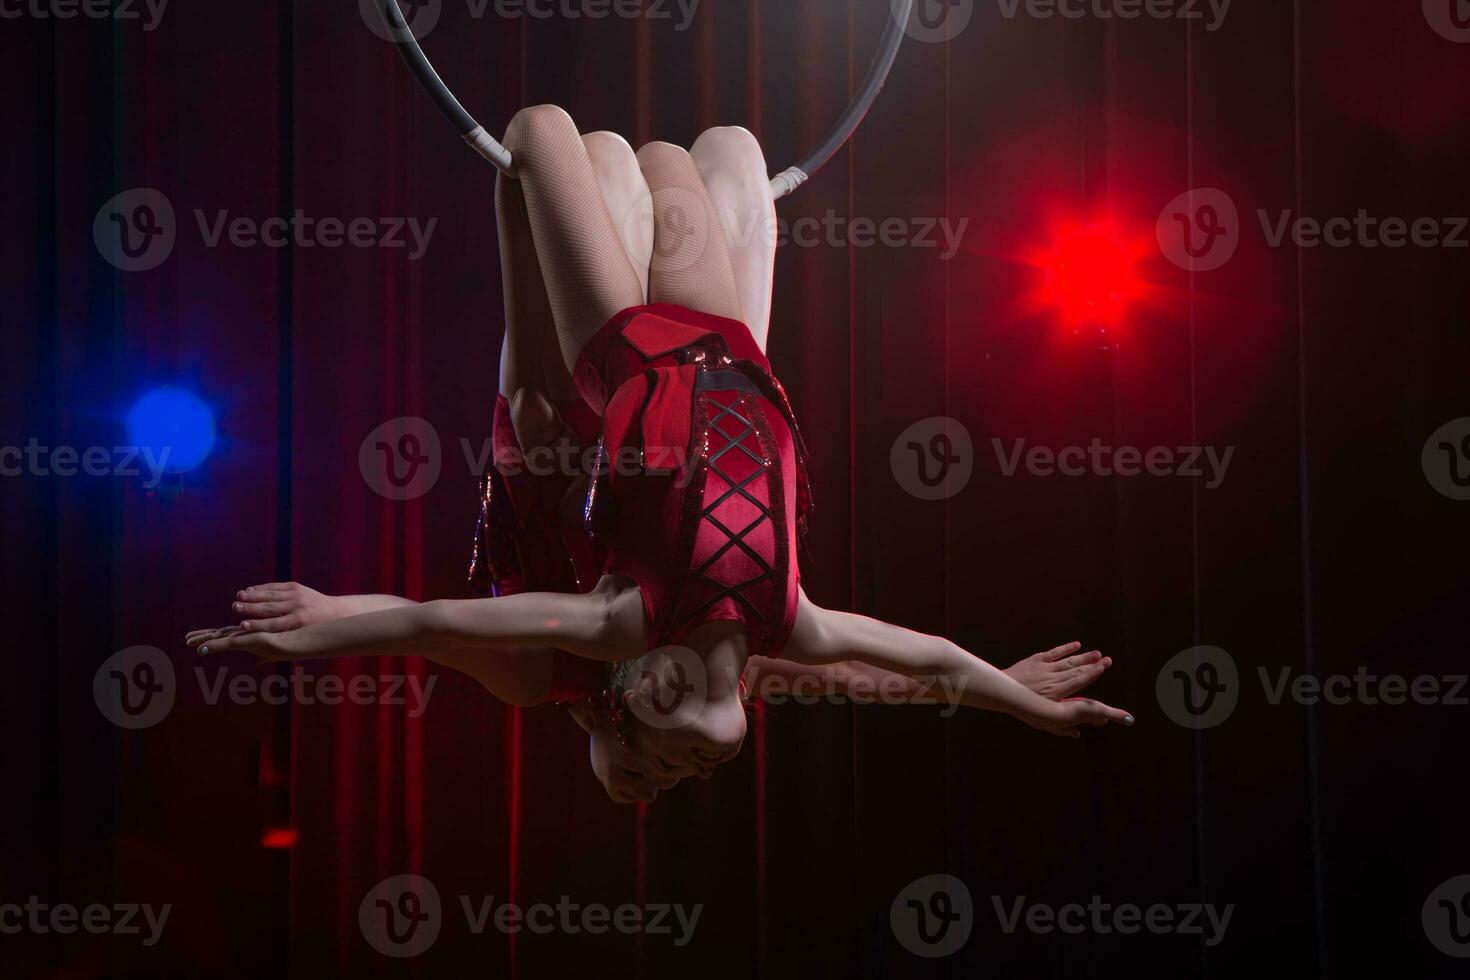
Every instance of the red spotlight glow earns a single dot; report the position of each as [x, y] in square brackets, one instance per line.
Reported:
[279, 838]
[1089, 275]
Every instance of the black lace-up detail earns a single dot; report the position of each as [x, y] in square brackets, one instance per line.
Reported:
[742, 441]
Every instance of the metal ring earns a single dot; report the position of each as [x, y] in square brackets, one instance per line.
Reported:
[782, 184]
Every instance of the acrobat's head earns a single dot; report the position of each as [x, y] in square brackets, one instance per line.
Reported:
[661, 720]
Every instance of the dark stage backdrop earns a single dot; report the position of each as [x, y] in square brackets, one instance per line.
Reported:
[1059, 319]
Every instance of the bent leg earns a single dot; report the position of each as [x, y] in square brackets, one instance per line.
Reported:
[691, 260]
[733, 168]
[589, 276]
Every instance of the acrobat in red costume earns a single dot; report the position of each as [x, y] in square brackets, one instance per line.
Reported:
[659, 315]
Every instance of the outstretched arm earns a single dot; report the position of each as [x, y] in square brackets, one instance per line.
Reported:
[1055, 674]
[521, 678]
[605, 624]
[823, 636]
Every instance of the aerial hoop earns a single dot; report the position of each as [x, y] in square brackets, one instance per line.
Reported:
[782, 184]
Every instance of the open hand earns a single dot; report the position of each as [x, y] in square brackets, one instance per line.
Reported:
[266, 646]
[1060, 672]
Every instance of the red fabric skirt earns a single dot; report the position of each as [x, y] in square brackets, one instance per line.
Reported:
[530, 537]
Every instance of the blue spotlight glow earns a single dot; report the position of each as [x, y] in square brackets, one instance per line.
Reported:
[174, 421]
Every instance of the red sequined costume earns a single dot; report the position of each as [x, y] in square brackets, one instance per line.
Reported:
[530, 538]
[702, 492]
[700, 499]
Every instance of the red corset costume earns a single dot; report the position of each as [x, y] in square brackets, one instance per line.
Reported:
[701, 492]
[702, 489]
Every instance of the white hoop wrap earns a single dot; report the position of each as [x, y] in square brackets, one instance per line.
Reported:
[787, 181]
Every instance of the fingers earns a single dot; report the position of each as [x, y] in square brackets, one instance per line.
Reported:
[588, 274]
[255, 609]
[1075, 680]
[733, 168]
[1078, 661]
[221, 642]
[263, 645]
[1097, 714]
[197, 637]
[1057, 653]
[280, 624]
[626, 194]
[691, 262]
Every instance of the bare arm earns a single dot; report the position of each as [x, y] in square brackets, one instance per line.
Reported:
[599, 625]
[769, 676]
[826, 637]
